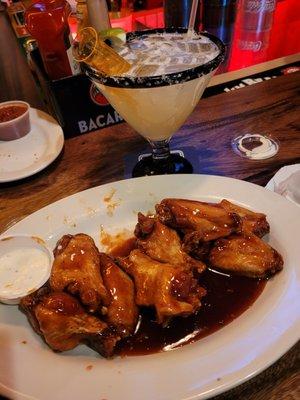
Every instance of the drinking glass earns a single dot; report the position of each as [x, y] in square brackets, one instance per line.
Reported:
[157, 106]
[256, 20]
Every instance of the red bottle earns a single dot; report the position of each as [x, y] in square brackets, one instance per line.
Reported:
[47, 22]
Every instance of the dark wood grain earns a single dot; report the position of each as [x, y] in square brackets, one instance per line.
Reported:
[96, 158]
[99, 157]
[270, 108]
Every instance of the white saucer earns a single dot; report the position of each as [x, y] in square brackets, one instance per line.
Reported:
[30, 154]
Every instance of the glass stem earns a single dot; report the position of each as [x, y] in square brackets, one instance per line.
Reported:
[160, 149]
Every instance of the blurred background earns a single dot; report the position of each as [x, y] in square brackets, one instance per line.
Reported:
[254, 31]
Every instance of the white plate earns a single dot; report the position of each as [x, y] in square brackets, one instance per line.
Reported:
[210, 366]
[30, 154]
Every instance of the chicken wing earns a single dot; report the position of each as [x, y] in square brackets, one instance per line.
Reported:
[251, 221]
[76, 269]
[163, 244]
[172, 291]
[200, 222]
[205, 221]
[245, 254]
[62, 322]
[122, 312]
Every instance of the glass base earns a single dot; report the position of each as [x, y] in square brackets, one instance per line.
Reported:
[255, 146]
[174, 164]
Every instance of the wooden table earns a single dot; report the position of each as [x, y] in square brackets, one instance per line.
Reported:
[99, 157]
[96, 158]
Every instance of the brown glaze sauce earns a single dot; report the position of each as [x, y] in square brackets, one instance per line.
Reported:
[227, 298]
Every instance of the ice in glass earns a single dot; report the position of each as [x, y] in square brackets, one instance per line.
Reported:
[168, 74]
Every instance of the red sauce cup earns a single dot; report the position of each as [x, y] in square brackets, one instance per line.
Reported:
[14, 120]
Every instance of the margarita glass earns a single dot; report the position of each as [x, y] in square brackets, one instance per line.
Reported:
[156, 106]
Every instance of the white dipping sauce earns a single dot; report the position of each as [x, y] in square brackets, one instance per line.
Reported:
[267, 148]
[22, 270]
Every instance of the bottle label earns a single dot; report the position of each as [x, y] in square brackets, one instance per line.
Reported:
[74, 65]
[257, 6]
[250, 45]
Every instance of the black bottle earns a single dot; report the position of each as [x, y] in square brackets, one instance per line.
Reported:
[139, 4]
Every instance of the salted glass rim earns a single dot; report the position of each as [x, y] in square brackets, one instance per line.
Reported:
[133, 82]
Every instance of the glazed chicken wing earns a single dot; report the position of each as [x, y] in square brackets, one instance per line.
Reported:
[163, 244]
[172, 291]
[200, 222]
[122, 312]
[245, 254]
[206, 221]
[76, 269]
[62, 322]
[251, 221]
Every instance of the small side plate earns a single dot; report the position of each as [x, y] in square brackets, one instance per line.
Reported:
[30, 154]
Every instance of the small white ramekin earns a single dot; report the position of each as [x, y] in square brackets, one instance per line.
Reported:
[11, 288]
[17, 127]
